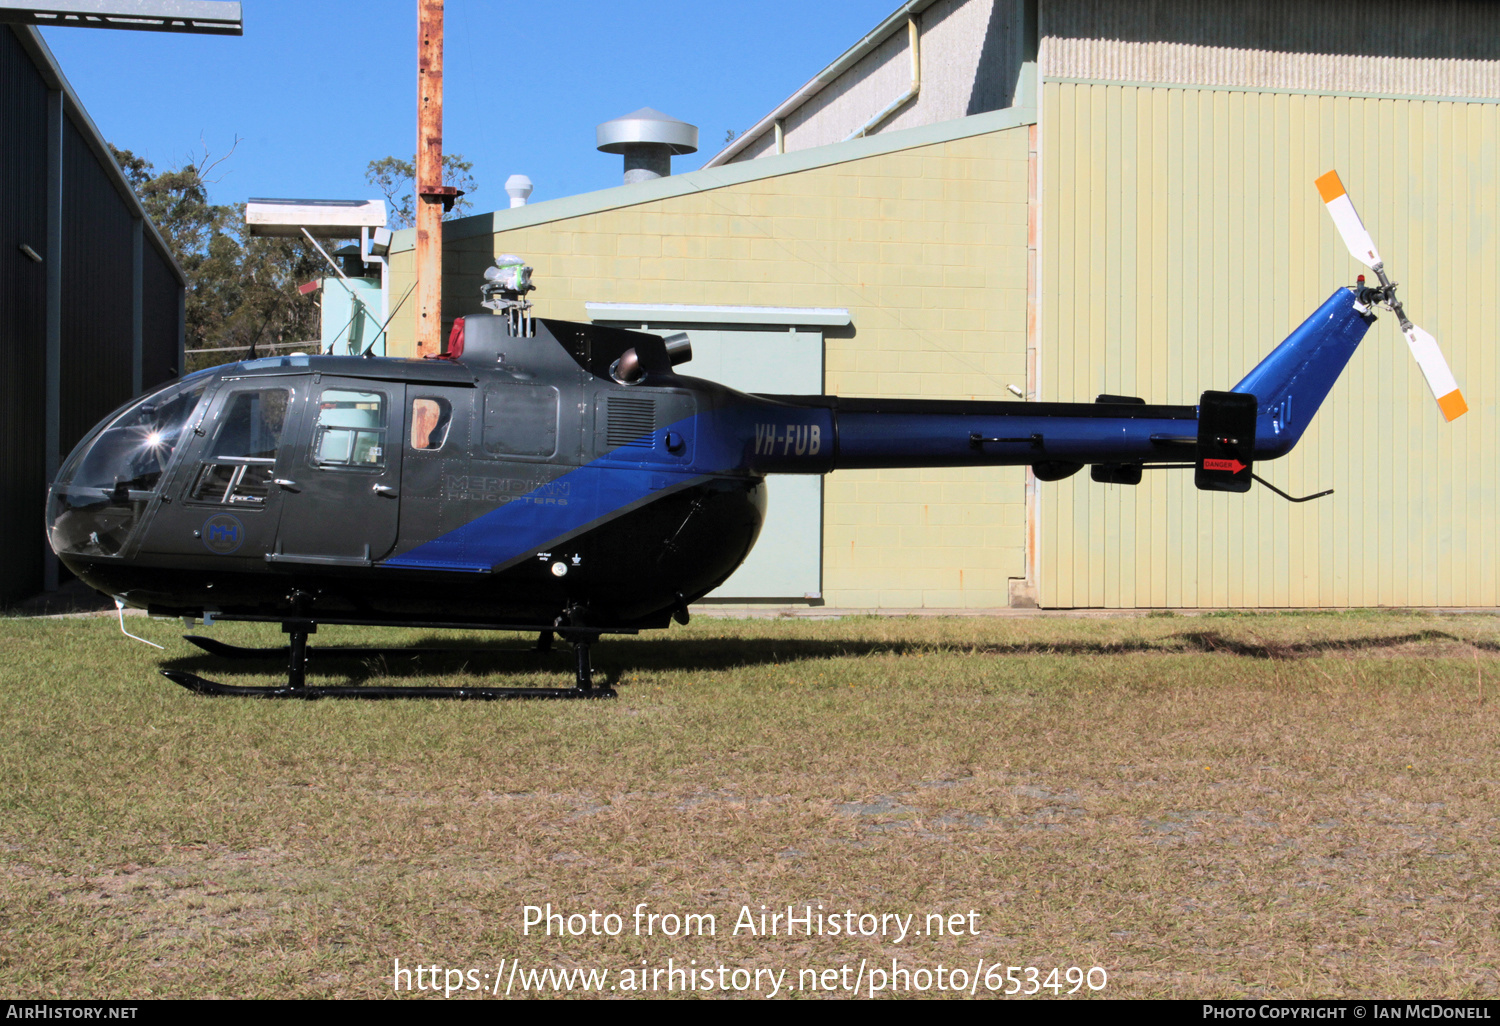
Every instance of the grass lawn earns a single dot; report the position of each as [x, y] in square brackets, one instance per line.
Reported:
[1298, 805]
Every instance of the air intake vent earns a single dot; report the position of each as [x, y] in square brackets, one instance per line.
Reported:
[632, 421]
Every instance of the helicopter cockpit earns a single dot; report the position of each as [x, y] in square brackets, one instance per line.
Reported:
[106, 483]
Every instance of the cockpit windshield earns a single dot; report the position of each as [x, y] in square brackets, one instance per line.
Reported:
[103, 488]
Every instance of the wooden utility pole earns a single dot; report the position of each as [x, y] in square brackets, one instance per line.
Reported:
[432, 197]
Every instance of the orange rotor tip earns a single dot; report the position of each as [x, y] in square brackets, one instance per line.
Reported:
[1453, 405]
[1330, 187]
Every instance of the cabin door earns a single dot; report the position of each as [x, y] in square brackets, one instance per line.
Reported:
[342, 505]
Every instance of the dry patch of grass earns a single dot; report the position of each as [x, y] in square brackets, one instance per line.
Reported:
[1277, 806]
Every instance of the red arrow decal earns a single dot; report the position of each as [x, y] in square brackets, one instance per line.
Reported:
[1233, 466]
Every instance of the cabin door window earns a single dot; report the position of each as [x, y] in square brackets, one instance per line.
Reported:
[431, 416]
[350, 431]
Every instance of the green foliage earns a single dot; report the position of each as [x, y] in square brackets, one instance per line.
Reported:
[240, 289]
[396, 178]
[243, 290]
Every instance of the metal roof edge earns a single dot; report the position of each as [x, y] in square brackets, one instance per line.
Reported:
[36, 48]
[679, 313]
[846, 60]
[725, 174]
[1277, 90]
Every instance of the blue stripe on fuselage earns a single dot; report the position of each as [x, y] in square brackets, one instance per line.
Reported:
[530, 522]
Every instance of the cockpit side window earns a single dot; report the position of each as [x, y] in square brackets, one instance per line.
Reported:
[252, 424]
[430, 419]
[242, 461]
[136, 448]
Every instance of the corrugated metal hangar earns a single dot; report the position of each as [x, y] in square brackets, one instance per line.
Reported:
[1061, 198]
[91, 300]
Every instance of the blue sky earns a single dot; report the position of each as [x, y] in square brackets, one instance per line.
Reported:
[316, 90]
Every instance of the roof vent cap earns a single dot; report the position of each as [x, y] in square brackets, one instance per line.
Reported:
[518, 187]
[648, 139]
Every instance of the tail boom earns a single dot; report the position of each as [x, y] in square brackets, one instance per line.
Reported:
[815, 434]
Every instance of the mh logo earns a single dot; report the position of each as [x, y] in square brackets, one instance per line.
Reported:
[223, 534]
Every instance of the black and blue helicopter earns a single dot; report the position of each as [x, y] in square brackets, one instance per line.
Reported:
[565, 479]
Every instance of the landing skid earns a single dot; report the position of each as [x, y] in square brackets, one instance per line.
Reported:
[298, 653]
[204, 686]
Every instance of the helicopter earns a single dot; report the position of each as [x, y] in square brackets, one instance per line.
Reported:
[565, 479]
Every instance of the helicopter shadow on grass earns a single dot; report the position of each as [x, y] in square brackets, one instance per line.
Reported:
[431, 657]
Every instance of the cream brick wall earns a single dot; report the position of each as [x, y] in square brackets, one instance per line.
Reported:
[926, 247]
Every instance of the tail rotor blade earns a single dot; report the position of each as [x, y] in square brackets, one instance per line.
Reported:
[1346, 219]
[1435, 369]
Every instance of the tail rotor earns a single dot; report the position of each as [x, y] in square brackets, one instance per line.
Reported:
[1424, 348]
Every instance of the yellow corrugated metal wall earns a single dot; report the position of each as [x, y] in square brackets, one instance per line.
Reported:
[1182, 239]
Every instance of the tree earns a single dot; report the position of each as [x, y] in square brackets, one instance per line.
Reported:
[397, 180]
[240, 289]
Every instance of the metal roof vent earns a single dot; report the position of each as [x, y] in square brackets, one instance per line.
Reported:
[648, 139]
[518, 187]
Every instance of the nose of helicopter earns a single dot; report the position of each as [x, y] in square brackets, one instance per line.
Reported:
[107, 482]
